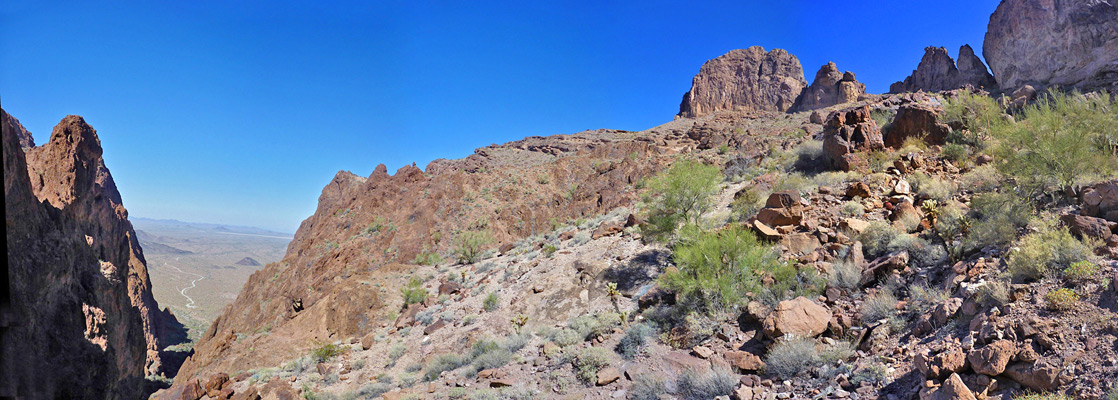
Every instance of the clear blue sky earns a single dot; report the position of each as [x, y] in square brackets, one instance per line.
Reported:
[240, 112]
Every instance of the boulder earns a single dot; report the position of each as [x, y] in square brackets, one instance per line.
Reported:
[764, 230]
[800, 243]
[213, 386]
[1073, 44]
[829, 88]
[1038, 377]
[799, 317]
[608, 375]
[953, 389]
[884, 265]
[938, 72]
[944, 311]
[1087, 227]
[449, 288]
[1101, 200]
[992, 359]
[702, 352]
[608, 229]
[782, 208]
[744, 361]
[847, 133]
[746, 80]
[247, 394]
[936, 367]
[916, 120]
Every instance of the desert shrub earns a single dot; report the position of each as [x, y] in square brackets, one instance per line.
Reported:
[880, 160]
[442, 363]
[994, 293]
[374, 390]
[682, 331]
[427, 257]
[1043, 396]
[791, 356]
[413, 292]
[881, 305]
[746, 204]
[590, 326]
[300, 365]
[853, 208]
[921, 299]
[794, 181]
[1061, 299]
[634, 340]
[955, 152]
[581, 238]
[845, 274]
[680, 194]
[881, 238]
[740, 168]
[979, 114]
[359, 364]
[470, 244]
[491, 302]
[1049, 249]
[567, 337]
[588, 362]
[549, 250]
[883, 117]
[872, 373]
[326, 351]
[1081, 270]
[931, 187]
[717, 269]
[981, 179]
[489, 354]
[647, 387]
[994, 220]
[712, 383]
[1056, 143]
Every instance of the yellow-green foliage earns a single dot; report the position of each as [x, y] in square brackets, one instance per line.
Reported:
[1061, 299]
[979, 113]
[1044, 396]
[1081, 270]
[717, 269]
[413, 292]
[1048, 249]
[680, 194]
[746, 204]
[326, 352]
[1062, 140]
[470, 245]
[994, 220]
[931, 187]
[589, 361]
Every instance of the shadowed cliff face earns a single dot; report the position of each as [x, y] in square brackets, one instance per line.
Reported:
[83, 320]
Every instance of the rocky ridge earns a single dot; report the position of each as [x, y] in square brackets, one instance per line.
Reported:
[745, 80]
[938, 72]
[829, 88]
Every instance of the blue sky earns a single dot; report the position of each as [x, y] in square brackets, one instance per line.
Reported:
[240, 112]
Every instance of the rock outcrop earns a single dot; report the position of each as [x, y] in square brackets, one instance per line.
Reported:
[83, 322]
[848, 133]
[1046, 42]
[745, 80]
[937, 72]
[830, 87]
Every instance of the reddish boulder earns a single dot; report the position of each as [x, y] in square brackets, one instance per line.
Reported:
[848, 132]
[745, 79]
[1038, 377]
[782, 208]
[953, 389]
[1084, 227]
[800, 317]
[213, 386]
[916, 120]
[946, 362]
[745, 361]
[992, 359]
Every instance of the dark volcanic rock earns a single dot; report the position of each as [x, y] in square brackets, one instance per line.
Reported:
[849, 133]
[1045, 42]
[248, 262]
[937, 72]
[830, 87]
[747, 80]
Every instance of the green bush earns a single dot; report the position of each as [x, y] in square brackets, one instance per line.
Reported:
[1048, 249]
[994, 220]
[955, 152]
[647, 387]
[414, 292]
[881, 238]
[680, 194]
[931, 187]
[1061, 299]
[717, 269]
[882, 305]
[718, 381]
[1060, 141]
[746, 204]
[396, 352]
[853, 208]
[1081, 270]
[792, 356]
[470, 244]
[491, 302]
[981, 179]
[442, 363]
[588, 362]
[979, 114]
[427, 257]
[845, 275]
[326, 351]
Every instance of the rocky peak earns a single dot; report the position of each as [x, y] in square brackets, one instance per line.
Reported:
[830, 87]
[746, 80]
[1045, 42]
[21, 133]
[937, 72]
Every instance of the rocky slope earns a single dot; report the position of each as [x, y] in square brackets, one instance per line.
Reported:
[937, 72]
[83, 322]
[1046, 42]
[745, 80]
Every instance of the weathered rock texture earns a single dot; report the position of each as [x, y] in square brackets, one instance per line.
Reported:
[847, 135]
[745, 80]
[83, 322]
[937, 72]
[1047, 42]
[830, 87]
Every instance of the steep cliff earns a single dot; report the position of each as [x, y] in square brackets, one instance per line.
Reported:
[829, 88]
[83, 320]
[1047, 42]
[937, 72]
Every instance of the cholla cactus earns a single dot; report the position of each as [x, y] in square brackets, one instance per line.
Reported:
[519, 321]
